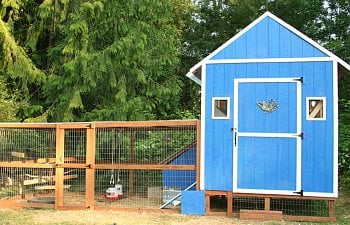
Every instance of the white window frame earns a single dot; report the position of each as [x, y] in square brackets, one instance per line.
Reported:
[213, 108]
[323, 99]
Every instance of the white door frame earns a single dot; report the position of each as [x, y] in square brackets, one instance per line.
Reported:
[296, 135]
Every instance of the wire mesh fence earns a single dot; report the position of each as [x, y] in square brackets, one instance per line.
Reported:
[23, 144]
[145, 165]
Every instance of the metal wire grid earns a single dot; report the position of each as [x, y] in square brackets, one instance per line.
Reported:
[297, 207]
[144, 145]
[250, 203]
[21, 144]
[74, 187]
[140, 188]
[75, 144]
[26, 183]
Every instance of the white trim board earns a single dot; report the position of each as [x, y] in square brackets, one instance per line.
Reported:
[269, 60]
[287, 192]
[203, 119]
[335, 129]
[255, 22]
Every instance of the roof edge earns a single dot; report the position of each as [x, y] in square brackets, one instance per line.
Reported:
[251, 25]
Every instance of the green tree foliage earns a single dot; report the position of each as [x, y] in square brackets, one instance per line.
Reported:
[19, 76]
[113, 60]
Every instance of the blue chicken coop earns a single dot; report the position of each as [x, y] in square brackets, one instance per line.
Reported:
[269, 114]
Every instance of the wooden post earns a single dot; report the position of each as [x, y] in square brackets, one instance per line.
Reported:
[59, 177]
[90, 167]
[132, 160]
[267, 204]
[229, 204]
[331, 209]
[198, 153]
[207, 203]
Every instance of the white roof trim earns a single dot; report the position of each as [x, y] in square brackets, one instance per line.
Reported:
[194, 78]
[280, 21]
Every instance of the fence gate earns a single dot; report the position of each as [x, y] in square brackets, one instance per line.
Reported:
[75, 148]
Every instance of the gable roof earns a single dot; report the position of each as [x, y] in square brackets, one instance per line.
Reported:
[195, 74]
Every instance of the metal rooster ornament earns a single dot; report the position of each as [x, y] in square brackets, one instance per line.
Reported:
[268, 106]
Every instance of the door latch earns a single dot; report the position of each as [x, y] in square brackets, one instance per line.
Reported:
[235, 138]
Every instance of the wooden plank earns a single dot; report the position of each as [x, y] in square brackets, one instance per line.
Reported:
[259, 215]
[39, 180]
[331, 209]
[27, 125]
[144, 167]
[229, 204]
[25, 165]
[215, 193]
[90, 172]
[207, 204]
[267, 203]
[132, 159]
[59, 171]
[49, 187]
[18, 154]
[158, 123]
[198, 154]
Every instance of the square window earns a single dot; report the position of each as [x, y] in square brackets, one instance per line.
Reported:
[316, 108]
[221, 108]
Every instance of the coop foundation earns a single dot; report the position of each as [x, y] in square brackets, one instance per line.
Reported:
[269, 207]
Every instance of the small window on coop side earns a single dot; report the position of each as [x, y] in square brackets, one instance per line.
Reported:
[316, 108]
[221, 108]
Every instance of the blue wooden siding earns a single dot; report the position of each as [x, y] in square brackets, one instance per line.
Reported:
[181, 178]
[268, 39]
[317, 147]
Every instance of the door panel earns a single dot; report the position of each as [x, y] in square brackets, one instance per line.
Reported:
[267, 144]
[267, 163]
[253, 119]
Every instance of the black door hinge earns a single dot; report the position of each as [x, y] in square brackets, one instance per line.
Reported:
[301, 192]
[301, 135]
[301, 79]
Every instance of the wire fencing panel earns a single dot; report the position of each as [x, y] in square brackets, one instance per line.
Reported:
[144, 167]
[133, 164]
[22, 151]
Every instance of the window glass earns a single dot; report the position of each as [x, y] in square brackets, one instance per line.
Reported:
[221, 108]
[316, 109]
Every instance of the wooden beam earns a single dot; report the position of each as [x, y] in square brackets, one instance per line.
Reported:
[145, 167]
[59, 171]
[267, 203]
[49, 187]
[28, 125]
[26, 164]
[207, 204]
[18, 154]
[132, 159]
[259, 215]
[229, 204]
[90, 171]
[331, 209]
[198, 154]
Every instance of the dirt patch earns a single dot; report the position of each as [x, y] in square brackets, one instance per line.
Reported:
[95, 217]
